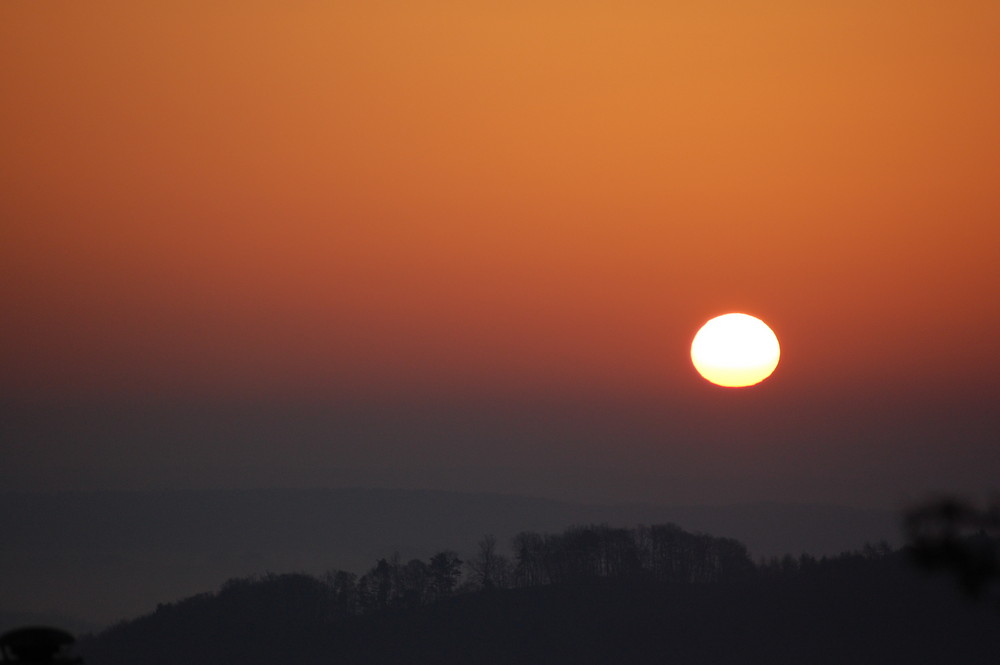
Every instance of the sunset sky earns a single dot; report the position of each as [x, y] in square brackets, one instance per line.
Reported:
[466, 245]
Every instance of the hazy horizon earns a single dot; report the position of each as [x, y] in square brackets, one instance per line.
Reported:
[863, 453]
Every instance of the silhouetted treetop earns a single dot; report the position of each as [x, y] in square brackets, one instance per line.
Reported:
[952, 535]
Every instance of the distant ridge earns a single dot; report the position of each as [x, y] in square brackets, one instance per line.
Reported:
[107, 555]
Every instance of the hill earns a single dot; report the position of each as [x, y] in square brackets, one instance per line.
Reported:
[597, 595]
[102, 556]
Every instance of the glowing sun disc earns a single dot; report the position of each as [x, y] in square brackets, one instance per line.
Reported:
[735, 350]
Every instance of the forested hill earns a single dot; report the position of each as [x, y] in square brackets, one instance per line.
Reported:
[104, 556]
[588, 595]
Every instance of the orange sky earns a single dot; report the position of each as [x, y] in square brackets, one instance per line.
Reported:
[231, 200]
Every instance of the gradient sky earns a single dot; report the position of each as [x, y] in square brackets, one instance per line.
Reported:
[467, 244]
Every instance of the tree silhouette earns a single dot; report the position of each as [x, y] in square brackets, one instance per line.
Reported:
[445, 571]
[490, 569]
[951, 535]
[343, 593]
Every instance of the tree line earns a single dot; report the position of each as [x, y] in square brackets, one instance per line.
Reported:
[647, 554]
[662, 554]
[659, 554]
[586, 595]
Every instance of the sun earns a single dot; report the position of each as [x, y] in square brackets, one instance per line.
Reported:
[735, 350]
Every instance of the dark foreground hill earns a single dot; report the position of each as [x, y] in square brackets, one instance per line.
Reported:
[590, 595]
[103, 556]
